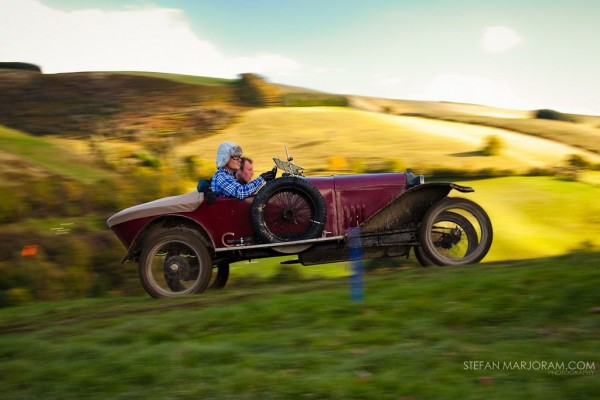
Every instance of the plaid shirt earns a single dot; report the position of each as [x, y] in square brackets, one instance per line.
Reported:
[224, 184]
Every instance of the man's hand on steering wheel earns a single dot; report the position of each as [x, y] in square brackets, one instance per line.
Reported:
[269, 175]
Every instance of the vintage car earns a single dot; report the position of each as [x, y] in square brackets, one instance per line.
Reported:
[180, 241]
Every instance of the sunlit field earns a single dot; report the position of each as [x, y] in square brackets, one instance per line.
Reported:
[318, 136]
[538, 216]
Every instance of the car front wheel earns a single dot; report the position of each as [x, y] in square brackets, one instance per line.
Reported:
[454, 231]
[175, 263]
[458, 221]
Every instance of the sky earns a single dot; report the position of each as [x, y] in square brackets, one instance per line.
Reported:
[524, 54]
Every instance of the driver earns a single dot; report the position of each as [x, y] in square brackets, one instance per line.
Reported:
[244, 174]
[224, 182]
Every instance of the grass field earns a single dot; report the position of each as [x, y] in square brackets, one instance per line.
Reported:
[532, 216]
[380, 141]
[526, 329]
[484, 331]
[39, 157]
[538, 216]
[188, 79]
[438, 108]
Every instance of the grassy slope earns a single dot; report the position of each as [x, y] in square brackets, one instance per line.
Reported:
[349, 132]
[584, 134]
[409, 338]
[538, 216]
[314, 134]
[533, 217]
[41, 157]
[187, 79]
[438, 108]
[208, 81]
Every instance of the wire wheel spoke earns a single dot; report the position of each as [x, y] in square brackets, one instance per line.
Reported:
[288, 209]
[288, 214]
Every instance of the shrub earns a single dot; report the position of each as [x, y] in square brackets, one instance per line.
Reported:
[253, 90]
[493, 146]
[314, 100]
[553, 115]
[20, 65]
[12, 206]
[195, 167]
[540, 172]
[577, 162]
[17, 296]
[148, 160]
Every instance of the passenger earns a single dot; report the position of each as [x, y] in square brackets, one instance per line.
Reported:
[224, 181]
[244, 174]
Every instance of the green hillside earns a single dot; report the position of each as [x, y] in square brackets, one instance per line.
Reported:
[528, 329]
[187, 79]
[81, 105]
[533, 217]
[91, 144]
[28, 158]
[539, 216]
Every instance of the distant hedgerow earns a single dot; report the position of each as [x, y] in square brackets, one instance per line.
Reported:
[20, 65]
[313, 100]
[553, 115]
[254, 90]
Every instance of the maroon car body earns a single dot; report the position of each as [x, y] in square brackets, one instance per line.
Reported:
[179, 241]
[350, 200]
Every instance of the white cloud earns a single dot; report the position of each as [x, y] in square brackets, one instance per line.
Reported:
[472, 89]
[388, 80]
[498, 39]
[141, 39]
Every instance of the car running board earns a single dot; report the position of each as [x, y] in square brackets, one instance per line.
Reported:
[281, 244]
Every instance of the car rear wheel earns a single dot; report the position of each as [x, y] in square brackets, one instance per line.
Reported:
[221, 277]
[288, 209]
[454, 231]
[175, 263]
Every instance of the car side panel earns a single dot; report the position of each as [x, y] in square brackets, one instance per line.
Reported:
[226, 216]
[326, 187]
[357, 197]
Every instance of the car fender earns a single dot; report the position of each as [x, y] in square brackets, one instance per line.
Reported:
[409, 208]
[163, 222]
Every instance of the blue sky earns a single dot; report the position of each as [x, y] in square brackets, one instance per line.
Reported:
[516, 54]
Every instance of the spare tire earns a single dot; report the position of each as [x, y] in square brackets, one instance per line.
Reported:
[288, 209]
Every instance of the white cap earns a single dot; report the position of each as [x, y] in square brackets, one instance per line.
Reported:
[225, 151]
